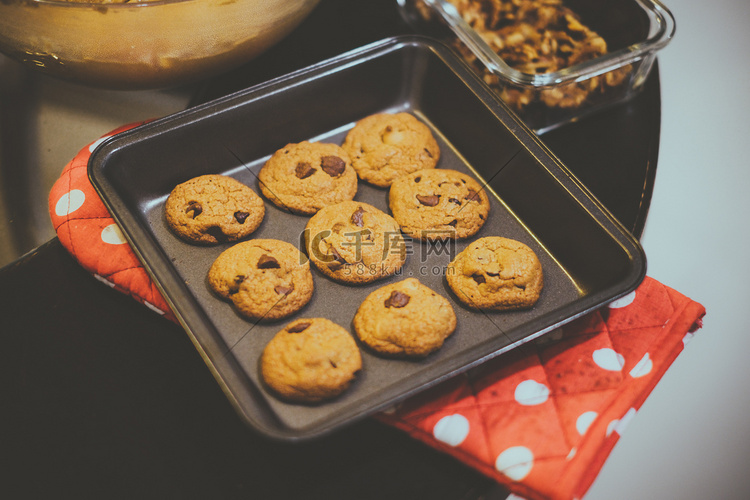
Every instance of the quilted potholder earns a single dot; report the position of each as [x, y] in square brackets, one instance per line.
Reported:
[541, 419]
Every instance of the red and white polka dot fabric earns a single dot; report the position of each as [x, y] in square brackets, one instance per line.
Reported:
[541, 419]
[86, 229]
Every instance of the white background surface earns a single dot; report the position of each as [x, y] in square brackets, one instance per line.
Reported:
[691, 438]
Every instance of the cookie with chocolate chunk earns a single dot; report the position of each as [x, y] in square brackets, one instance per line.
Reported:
[435, 204]
[213, 209]
[386, 146]
[264, 278]
[354, 242]
[405, 318]
[310, 360]
[308, 176]
[496, 273]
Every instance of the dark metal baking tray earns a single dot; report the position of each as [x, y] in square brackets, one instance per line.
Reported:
[587, 256]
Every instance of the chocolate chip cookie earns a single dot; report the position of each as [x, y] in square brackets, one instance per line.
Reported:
[310, 360]
[385, 146]
[264, 278]
[308, 176]
[495, 273]
[212, 209]
[405, 319]
[436, 204]
[354, 242]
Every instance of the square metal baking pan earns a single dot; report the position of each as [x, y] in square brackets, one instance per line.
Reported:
[588, 258]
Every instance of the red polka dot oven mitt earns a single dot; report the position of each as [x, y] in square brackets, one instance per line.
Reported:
[541, 419]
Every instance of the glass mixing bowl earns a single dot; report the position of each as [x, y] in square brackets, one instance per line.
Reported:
[144, 44]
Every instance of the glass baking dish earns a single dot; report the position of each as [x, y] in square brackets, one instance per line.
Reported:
[522, 48]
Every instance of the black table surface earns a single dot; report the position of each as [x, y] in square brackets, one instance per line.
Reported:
[102, 398]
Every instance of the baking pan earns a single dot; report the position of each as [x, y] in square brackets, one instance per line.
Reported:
[587, 256]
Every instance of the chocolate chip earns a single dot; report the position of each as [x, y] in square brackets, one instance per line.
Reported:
[357, 217]
[195, 208]
[453, 222]
[429, 200]
[472, 196]
[397, 299]
[418, 178]
[241, 217]
[217, 233]
[283, 289]
[236, 285]
[428, 153]
[337, 262]
[299, 327]
[333, 165]
[479, 279]
[304, 170]
[268, 262]
[454, 200]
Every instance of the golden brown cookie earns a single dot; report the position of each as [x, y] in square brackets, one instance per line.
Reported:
[264, 279]
[385, 146]
[354, 242]
[436, 204]
[405, 319]
[212, 209]
[310, 360]
[496, 273]
[308, 176]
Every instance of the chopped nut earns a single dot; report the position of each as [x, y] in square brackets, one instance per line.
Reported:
[535, 37]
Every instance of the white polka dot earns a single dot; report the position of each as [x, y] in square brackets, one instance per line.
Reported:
[623, 301]
[451, 429]
[112, 235]
[572, 453]
[531, 392]
[612, 426]
[643, 367]
[104, 280]
[608, 359]
[584, 420]
[70, 202]
[96, 144]
[619, 425]
[152, 307]
[513, 496]
[515, 462]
